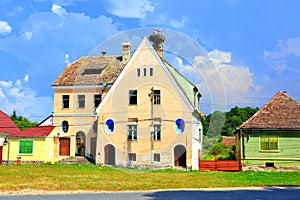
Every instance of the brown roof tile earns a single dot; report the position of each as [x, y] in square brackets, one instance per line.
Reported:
[91, 70]
[281, 112]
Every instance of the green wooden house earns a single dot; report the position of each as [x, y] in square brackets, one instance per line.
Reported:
[272, 135]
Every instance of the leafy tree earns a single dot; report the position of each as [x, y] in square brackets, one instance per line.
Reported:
[22, 122]
[224, 124]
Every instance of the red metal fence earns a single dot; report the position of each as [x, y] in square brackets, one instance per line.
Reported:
[216, 164]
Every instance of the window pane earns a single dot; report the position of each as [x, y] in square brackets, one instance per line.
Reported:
[145, 72]
[26, 147]
[138, 71]
[269, 143]
[132, 156]
[151, 71]
[157, 157]
[157, 132]
[132, 132]
[97, 100]
[156, 99]
[132, 97]
[81, 101]
[65, 101]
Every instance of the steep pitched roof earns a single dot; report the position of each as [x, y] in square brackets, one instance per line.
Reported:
[281, 112]
[6, 124]
[91, 70]
[37, 131]
[185, 86]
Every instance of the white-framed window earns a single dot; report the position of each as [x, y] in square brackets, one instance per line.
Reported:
[25, 146]
[109, 126]
[145, 71]
[157, 157]
[157, 132]
[269, 143]
[81, 101]
[65, 101]
[131, 156]
[132, 97]
[132, 131]
[179, 125]
[156, 97]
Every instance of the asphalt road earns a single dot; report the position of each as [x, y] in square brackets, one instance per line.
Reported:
[253, 193]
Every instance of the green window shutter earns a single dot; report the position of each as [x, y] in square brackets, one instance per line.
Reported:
[26, 147]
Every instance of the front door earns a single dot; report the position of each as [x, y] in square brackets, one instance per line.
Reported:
[180, 156]
[64, 146]
[109, 151]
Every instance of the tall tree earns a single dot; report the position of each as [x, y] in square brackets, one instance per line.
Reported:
[22, 122]
[224, 123]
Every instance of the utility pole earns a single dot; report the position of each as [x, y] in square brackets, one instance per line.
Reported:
[151, 95]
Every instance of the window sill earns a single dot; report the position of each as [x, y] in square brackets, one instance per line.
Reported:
[269, 151]
[20, 155]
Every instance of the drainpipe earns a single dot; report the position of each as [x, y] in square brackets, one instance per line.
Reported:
[243, 144]
[8, 150]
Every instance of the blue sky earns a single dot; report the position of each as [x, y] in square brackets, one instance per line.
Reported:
[254, 46]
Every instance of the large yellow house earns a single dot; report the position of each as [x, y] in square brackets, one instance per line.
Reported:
[150, 116]
[127, 110]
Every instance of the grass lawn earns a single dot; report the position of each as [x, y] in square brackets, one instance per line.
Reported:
[91, 177]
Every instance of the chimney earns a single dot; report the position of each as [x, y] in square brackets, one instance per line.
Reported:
[157, 39]
[126, 46]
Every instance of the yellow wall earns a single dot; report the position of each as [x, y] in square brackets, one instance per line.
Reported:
[172, 107]
[79, 119]
[42, 150]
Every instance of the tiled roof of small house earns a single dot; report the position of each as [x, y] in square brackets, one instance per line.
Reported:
[228, 140]
[281, 112]
[91, 70]
[6, 124]
[37, 131]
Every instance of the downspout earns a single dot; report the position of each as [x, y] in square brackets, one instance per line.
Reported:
[8, 150]
[243, 144]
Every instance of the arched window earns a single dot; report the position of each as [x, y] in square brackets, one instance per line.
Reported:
[109, 126]
[179, 125]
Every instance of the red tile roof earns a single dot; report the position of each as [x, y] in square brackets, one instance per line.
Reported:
[228, 140]
[37, 131]
[6, 124]
[91, 70]
[281, 112]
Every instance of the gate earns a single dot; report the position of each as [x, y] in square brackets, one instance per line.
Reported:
[215, 163]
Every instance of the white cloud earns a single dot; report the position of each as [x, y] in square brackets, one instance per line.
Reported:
[28, 35]
[279, 58]
[67, 56]
[5, 28]
[57, 9]
[16, 95]
[130, 8]
[178, 24]
[221, 78]
[284, 48]
[26, 78]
